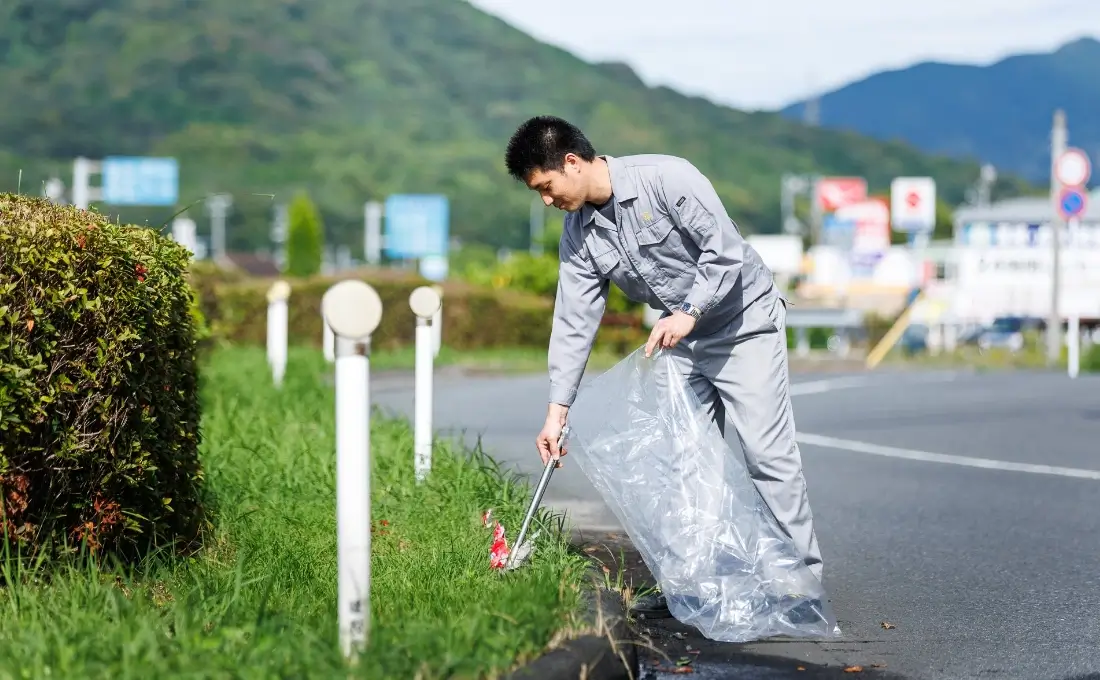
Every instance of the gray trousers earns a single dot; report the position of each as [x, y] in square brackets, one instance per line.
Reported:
[741, 373]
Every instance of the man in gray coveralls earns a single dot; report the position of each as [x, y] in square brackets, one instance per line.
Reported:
[654, 226]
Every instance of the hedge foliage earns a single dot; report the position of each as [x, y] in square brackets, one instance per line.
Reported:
[473, 317]
[99, 412]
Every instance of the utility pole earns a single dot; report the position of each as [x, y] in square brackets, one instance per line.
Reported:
[538, 222]
[218, 205]
[1058, 141]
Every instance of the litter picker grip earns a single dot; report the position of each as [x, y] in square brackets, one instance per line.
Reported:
[544, 481]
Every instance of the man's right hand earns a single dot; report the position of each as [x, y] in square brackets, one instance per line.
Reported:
[547, 441]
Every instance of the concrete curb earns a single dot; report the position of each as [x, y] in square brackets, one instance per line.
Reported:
[610, 655]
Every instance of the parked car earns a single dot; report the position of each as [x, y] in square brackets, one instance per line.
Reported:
[914, 339]
[1005, 332]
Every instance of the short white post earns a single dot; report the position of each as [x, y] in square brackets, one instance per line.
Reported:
[353, 310]
[1073, 339]
[425, 303]
[437, 323]
[277, 330]
[329, 341]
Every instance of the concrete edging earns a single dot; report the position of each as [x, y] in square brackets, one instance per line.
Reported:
[611, 655]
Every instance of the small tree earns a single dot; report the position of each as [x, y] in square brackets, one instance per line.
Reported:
[305, 238]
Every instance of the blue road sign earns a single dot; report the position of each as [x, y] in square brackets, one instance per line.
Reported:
[417, 225]
[135, 180]
[1071, 202]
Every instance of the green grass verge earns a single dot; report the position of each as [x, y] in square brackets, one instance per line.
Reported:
[260, 600]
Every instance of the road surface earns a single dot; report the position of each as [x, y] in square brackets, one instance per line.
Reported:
[962, 509]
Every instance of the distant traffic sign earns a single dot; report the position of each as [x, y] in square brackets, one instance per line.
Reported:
[1072, 202]
[416, 225]
[135, 180]
[1073, 168]
[913, 203]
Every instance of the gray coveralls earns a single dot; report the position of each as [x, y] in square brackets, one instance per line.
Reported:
[671, 242]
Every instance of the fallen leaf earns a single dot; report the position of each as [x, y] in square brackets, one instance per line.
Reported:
[30, 325]
[606, 570]
[878, 665]
[681, 670]
[683, 661]
[888, 626]
[854, 669]
[801, 668]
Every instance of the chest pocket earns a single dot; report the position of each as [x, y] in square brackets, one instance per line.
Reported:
[663, 244]
[606, 261]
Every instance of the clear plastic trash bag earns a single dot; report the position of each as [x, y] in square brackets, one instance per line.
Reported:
[644, 440]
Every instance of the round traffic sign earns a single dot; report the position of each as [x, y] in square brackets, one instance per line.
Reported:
[1073, 168]
[1071, 202]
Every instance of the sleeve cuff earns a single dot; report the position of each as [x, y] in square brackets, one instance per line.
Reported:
[562, 395]
[700, 300]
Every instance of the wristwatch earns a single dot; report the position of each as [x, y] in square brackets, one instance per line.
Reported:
[691, 309]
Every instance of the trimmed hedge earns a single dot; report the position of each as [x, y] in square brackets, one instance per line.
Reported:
[472, 317]
[99, 412]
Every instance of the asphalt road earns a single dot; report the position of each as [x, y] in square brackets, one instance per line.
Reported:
[963, 509]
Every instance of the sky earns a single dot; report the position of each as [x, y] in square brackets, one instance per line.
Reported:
[766, 54]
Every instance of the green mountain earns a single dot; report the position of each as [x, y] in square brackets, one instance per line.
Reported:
[999, 113]
[355, 99]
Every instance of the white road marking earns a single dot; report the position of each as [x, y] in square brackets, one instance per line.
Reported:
[830, 384]
[928, 457]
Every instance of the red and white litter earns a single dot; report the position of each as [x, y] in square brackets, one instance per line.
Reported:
[499, 552]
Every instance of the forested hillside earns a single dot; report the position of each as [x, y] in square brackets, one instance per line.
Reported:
[354, 99]
[1000, 113]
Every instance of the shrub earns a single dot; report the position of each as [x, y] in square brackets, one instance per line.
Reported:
[99, 414]
[473, 318]
[305, 238]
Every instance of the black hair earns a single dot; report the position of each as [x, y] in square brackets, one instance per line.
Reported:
[541, 143]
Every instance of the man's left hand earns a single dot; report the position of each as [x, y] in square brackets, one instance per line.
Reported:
[669, 331]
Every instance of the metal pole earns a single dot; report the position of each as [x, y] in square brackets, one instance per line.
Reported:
[372, 237]
[1073, 333]
[81, 182]
[217, 205]
[1058, 141]
[538, 217]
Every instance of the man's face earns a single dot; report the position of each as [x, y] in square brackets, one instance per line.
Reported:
[564, 189]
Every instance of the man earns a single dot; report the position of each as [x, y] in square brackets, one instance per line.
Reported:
[654, 226]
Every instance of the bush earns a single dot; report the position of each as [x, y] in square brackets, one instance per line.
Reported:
[305, 242]
[473, 318]
[99, 414]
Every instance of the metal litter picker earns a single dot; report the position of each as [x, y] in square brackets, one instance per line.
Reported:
[518, 554]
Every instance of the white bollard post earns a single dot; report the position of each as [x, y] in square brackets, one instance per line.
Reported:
[437, 323]
[1073, 338]
[276, 330]
[328, 339]
[425, 303]
[353, 310]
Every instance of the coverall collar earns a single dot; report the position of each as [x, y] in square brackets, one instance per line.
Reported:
[622, 188]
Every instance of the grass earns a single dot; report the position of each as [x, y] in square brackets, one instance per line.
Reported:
[1031, 357]
[260, 599]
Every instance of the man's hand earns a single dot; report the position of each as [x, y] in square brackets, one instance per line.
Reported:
[669, 331]
[547, 441]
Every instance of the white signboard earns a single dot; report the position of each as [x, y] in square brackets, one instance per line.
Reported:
[782, 253]
[996, 282]
[913, 203]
